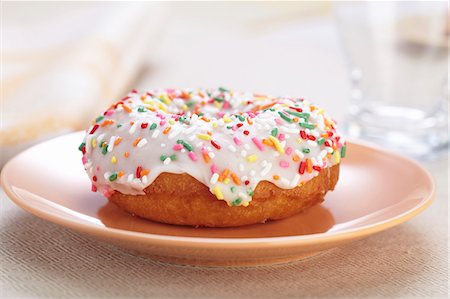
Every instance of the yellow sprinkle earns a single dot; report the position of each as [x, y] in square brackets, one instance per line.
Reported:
[166, 99]
[162, 107]
[171, 121]
[94, 142]
[184, 107]
[214, 125]
[252, 158]
[245, 204]
[204, 136]
[277, 144]
[226, 181]
[226, 119]
[217, 192]
[320, 111]
[336, 156]
[113, 160]
[218, 105]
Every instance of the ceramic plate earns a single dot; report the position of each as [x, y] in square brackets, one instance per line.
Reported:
[376, 191]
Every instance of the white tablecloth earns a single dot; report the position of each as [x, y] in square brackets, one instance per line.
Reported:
[43, 260]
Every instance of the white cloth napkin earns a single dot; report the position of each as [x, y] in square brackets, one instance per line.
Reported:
[63, 62]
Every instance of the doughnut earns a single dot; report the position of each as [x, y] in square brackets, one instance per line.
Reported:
[212, 157]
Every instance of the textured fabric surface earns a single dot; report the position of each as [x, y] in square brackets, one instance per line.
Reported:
[43, 260]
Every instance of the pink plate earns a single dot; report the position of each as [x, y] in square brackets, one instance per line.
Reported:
[376, 191]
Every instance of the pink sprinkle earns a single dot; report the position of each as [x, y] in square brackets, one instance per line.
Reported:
[234, 128]
[109, 112]
[251, 114]
[258, 143]
[237, 141]
[193, 156]
[288, 150]
[84, 160]
[278, 121]
[220, 114]
[284, 164]
[177, 147]
[162, 123]
[281, 136]
[214, 169]
[107, 193]
[226, 105]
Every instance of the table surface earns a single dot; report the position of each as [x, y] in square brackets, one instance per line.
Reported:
[43, 260]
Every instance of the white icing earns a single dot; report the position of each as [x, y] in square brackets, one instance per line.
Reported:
[191, 146]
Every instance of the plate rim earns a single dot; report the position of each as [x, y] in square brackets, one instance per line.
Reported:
[167, 240]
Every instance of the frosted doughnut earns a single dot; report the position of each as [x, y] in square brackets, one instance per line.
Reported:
[148, 152]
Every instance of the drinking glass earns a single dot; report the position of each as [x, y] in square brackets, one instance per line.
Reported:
[397, 53]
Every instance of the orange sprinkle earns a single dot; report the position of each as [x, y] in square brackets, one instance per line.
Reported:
[209, 133]
[249, 120]
[224, 175]
[126, 108]
[120, 174]
[324, 135]
[107, 122]
[267, 142]
[235, 179]
[167, 129]
[144, 172]
[131, 123]
[126, 154]
[276, 177]
[295, 158]
[313, 108]
[143, 97]
[204, 119]
[206, 158]
[295, 119]
[118, 140]
[136, 141]
[309, 165]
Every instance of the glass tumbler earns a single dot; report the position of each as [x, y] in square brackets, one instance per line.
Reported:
[397, 54]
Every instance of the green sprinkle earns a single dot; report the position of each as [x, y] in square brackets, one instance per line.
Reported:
[271, 109]
[119, 125]
[298, 114]
[221, 89]
[153, 126]
[185, 144]
[233, 189]
[162, 157]
[229, 127]
[113, 177]
[236, 201]
[99, 119]
[250, 192]
[283, 116]
[320, 141]
[306, 150]
[343, 150]
[219, 99]
[241, 118]
[141, 109]
[182, 119]
[306, 125]
[80, 148]
[190, 103]
[274, 132]
[104, 150]
[101, 144]
[173, 157]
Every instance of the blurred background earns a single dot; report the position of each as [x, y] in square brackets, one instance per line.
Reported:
[369, 65]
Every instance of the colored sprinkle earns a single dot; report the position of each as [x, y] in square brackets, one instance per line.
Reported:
[284, 164]
[144, 125]
[136, 141]
[218, 192]
[177, 147]
[274, 132]
[94, 128]
[153, 126]
[320, 141]
[309, 165]
[141, 109]
[285, 117]
[105, 149]
[126, 154]
[193, 156]
[113, 160]
[82, 145]
[117, 141]
[185, 144]
[162, 157]
[235, 179]
[112, 177]
[343, 150]
[237, 141]
[99, 119]
[252, 158]
[167, 130]
[306, 150]
[144, 172]
[233, 189]
[306, 125]
[258, 143]
[277, 144]
[298, 114]
[204, 136]
[236, 202]
[215, 144]
[138, 172]
[276, 177]
[302, 167]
